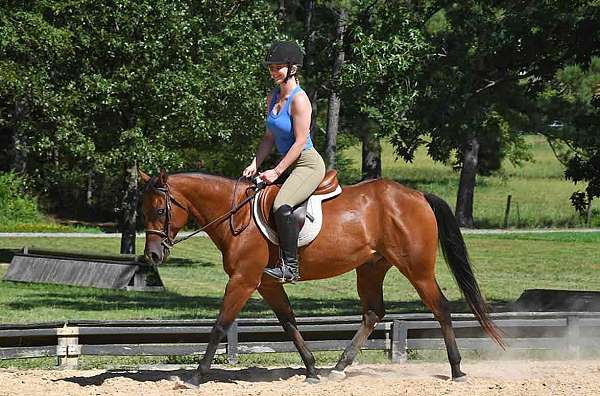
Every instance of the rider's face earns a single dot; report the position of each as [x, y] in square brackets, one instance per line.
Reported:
[278, 71]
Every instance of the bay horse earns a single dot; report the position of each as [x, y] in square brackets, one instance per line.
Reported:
[372, 226]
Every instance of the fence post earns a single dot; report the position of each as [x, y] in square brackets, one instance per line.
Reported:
[399, 341]
[507, 211]
[68, 348]
[232, 343]
[573, 336]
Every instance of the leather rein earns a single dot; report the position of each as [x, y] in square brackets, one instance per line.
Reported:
[165, 233]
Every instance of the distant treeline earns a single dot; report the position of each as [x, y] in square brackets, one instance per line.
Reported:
[92, 91]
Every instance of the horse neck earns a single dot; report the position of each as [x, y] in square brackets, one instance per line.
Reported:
[209, 197]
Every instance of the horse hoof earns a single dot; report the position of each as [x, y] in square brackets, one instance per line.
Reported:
[462, 378]
[337, 375]
[186, 382]
[312, 380]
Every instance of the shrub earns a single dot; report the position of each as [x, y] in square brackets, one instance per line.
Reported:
[16, 205]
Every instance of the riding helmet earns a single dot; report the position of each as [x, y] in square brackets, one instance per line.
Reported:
[284, 52]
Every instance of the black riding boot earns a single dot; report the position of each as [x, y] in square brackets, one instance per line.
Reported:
[287, 229]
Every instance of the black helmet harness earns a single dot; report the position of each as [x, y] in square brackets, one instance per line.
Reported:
[285, 52]
[289, 73]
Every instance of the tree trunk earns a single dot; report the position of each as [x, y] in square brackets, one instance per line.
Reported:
[129, 209]
[90, 190]
[309, 34]
[466, 186]
[281, 13]
[333, 114]
[309, 63]
[371, 156]
[18, 158]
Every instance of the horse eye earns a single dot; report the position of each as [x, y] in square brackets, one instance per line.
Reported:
[160, 212]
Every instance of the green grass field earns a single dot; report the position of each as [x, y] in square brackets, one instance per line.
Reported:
[505, 266]
[540, 194]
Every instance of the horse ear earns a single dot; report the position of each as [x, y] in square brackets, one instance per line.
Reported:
[144, 178]
[162, 177]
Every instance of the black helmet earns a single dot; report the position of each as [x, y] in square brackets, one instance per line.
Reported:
[284, 52]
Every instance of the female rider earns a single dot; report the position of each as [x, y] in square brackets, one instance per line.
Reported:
[288, 127]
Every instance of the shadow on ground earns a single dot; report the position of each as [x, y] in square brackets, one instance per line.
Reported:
[84, 300]
[251, 374]
[6, 255]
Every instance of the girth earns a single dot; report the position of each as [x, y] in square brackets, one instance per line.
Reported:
[267, 198]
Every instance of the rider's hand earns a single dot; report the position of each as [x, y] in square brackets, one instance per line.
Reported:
[249, 171]
[269, 176]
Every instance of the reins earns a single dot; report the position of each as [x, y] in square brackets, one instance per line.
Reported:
[218, 219]
[166, 234]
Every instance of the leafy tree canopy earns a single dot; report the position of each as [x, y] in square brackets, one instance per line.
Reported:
[571, 111]
[99, 84]
[385, 49]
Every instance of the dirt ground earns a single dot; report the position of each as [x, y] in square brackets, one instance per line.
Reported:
[484, 378]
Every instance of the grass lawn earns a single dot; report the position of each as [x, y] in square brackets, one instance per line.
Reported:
[505, 266]
[540, 194]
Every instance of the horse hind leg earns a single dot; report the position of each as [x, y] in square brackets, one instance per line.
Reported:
[274, 294]
[369, 278]
[419, 269]
[433, 298]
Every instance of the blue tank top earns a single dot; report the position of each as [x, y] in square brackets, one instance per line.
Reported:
[282, 124]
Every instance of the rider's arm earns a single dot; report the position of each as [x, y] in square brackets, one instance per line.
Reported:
[266, 144]
[264, 148]
[301, 114]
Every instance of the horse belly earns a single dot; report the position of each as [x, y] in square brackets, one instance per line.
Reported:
[344, 241]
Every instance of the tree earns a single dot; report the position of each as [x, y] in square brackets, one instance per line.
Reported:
[385, 48]
[333, 112]
[309, 63]
[491, 60]
[571, 115]
[148, 83]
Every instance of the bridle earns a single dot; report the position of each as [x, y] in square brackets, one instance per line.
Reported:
[168, 243]
[165, 233]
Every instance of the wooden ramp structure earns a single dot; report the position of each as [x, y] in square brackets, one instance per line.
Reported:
[549, 300]
[125, 272]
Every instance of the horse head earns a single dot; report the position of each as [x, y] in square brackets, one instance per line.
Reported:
[165, 213]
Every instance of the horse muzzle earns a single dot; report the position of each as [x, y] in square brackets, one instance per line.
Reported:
[156, 255]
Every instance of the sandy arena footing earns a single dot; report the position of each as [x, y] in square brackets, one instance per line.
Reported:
[484, 378]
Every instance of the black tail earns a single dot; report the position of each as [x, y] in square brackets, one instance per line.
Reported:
[457, 258]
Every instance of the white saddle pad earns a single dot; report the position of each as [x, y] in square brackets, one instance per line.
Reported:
[309, 230]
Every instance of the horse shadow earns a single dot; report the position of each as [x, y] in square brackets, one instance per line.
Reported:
[88, 300]
[232, 375]
[216, 374]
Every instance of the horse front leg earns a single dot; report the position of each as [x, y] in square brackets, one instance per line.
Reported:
[274, 294]
[238, 291]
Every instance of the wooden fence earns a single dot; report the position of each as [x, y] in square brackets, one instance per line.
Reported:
[565, 331]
